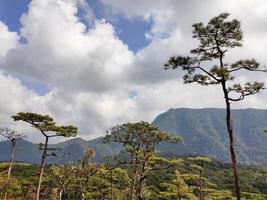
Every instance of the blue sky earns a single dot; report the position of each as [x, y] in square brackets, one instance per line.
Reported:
[130, 31]
[11, 11]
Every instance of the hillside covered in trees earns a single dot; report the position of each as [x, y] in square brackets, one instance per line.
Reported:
[199, 128]
[177, 182]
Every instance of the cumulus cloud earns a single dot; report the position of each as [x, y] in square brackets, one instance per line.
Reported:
[91, 72]
[14, 98]
[60, 49]
[8, 40]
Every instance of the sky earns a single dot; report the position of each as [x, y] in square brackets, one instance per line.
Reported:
[98, 63]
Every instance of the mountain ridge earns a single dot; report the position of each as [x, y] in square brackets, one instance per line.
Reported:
[203, 131]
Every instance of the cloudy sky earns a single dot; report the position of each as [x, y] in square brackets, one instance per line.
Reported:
[98, 63]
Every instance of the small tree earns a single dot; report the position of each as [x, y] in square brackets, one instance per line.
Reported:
[216, 39]
[85, 168]
[198, 166]
[13, 137]
[48, 128]
[64, 175]
[140, 141]
[102, 180]
[177, 189]
[117, 177]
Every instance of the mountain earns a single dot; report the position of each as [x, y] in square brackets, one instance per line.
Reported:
[25, 151]
[77, 146]
[203, 132]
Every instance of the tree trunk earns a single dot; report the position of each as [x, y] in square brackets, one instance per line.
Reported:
[10, 168]
[231, 143]
[60, 194]
[42, 169]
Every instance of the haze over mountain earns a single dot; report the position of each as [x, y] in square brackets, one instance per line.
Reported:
[203, 132]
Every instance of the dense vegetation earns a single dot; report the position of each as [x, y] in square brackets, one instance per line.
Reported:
[199, 129]
[164, 184]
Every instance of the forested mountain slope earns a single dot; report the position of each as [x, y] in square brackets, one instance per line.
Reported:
[203, 132]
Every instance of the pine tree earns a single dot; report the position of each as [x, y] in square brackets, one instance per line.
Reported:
[48, 128]
[216, 39]
[140, 141]
[177, 189]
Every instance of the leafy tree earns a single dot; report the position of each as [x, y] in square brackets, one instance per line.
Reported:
[216, 39]
[140, 141]
[198, 166]
[48, 128]
[177, 189]
[64, 175]
[117, 177]
[109, 184]
[248, 196]
[120, 181]
[215, 194]
[85, 170]
[13, 137]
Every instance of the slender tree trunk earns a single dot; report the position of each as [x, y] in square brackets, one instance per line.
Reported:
[232, 143]
[42, 169]
[60, 194]
[10, 168]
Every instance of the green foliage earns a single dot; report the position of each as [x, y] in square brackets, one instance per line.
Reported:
[164, 184]
[141, 133]
[216, 38]
[37, 120]
[200, 159]
[24, 181]
[45, 123]
[177, 189]
[140, 141]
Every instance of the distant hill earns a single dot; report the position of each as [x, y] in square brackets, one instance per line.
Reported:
[72, 150]
[203, 132]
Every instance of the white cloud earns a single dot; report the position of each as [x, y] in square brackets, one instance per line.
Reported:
[58, 42]
[17, 98]
[8, 40]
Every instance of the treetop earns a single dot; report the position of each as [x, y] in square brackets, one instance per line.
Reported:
[45, 123]
[136, 132]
